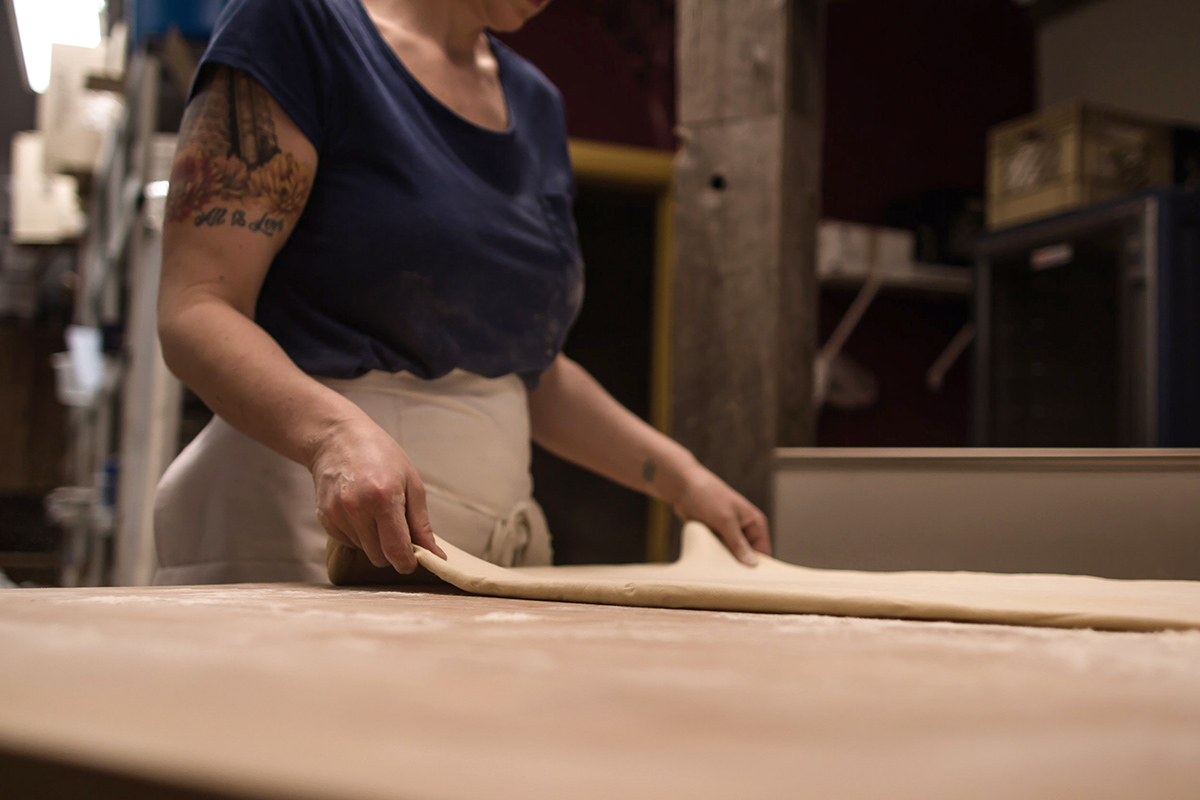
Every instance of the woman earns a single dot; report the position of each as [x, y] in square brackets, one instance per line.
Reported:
[369, 270]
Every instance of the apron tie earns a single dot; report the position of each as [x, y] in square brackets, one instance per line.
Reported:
[513, 535]
[519, 536]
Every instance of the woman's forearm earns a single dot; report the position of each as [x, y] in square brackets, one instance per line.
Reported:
[573, 417]
[243, 375]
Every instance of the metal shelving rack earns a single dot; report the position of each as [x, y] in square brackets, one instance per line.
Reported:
[135, 415]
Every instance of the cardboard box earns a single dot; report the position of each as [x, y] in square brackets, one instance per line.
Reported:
[45, 208]
[72, 117]
[851, 251]
[1070, 156]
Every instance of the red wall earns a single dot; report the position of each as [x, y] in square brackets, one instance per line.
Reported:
[911, 89]
[614, 61]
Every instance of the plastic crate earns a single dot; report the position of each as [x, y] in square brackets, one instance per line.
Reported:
[1071, 156]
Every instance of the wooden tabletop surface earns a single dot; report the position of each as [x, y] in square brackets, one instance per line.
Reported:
[293, 691]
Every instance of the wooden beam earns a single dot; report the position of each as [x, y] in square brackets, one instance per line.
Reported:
[747, 179]
[621, 166]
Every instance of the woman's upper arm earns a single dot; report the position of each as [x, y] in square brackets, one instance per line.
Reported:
[241, 177]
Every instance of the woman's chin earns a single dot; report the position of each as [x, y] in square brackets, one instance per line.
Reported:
[516, 14]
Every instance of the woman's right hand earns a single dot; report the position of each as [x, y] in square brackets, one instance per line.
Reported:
[369, 495]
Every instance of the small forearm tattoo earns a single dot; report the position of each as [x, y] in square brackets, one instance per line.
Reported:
[649, 470]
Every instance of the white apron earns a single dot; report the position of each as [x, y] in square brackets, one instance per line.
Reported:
[230, 510]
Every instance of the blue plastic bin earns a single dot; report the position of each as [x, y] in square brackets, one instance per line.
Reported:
[151, 18]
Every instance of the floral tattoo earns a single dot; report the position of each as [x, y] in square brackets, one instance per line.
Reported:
[229, 155]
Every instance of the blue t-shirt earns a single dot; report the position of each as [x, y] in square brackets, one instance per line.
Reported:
[428, 243]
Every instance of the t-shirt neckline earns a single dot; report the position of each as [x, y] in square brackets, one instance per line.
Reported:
[420, 87]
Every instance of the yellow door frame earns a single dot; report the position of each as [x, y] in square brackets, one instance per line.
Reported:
[650, 171]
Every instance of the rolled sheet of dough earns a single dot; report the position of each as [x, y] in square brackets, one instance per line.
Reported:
[708, 577]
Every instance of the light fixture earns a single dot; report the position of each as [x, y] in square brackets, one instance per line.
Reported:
[38, 24]
[156, 190]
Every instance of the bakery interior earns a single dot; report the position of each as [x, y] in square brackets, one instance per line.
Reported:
[918, 278]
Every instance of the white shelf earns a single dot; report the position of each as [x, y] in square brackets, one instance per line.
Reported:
[936, 278]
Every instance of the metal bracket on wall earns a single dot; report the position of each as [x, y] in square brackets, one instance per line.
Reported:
[823, 362]
[935, 278]
[936, 376]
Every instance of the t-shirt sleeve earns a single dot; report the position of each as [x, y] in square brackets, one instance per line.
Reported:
[278, 43]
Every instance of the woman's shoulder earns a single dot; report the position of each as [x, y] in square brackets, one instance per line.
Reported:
[295, 38]
[283, 8]
[292, 48]
[314, 17]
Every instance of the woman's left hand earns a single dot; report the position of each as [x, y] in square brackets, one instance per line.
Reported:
[708, 499]
[573, 417]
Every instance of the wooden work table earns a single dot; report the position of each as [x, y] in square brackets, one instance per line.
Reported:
[294, 691]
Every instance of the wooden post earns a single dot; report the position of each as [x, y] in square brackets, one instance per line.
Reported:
[747, 178]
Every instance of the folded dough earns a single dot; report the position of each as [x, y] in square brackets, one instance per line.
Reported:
[707, 576]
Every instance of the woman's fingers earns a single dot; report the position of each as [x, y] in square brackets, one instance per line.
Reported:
[362, 529]
[384, 522]
[377, 510]
[395, 538]
[417, 515]
[370, 497]
[754, 527]
[334, 531]
[364, 504]
[730, 530]
[735, 519]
